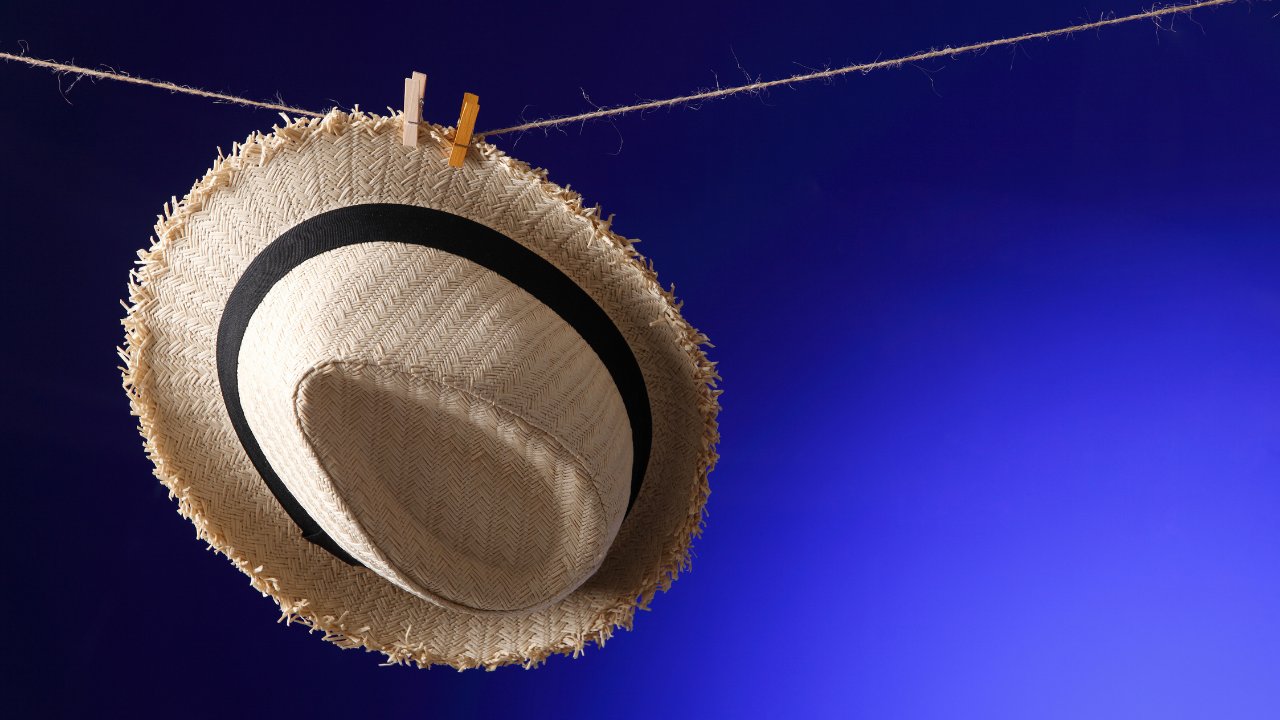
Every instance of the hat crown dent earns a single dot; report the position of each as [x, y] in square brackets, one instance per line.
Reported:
[441, 424]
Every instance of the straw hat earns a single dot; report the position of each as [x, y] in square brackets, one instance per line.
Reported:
[444, 414]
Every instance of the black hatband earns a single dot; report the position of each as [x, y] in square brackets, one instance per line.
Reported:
[452, 234]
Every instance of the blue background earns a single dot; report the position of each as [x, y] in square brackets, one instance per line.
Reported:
[1000, 339]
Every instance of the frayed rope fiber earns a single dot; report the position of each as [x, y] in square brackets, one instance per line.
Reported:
[1155, 13]
[79, 72]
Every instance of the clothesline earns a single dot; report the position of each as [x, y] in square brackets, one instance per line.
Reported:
[1154, 14]
[80, 72]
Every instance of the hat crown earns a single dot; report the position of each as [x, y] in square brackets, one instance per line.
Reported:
[444, 427]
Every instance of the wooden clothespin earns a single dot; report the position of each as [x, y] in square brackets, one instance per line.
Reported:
[415, 88]
[466, 125]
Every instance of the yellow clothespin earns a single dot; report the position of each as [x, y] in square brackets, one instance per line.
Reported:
[466, 125]
[415, 88]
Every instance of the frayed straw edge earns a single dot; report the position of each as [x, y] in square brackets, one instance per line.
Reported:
[256, 151]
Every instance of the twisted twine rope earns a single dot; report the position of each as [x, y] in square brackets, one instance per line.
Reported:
[1152, 14]
[62, 69]
[1155, 13]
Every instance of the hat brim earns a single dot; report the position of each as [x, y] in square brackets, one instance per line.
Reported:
[274, 181]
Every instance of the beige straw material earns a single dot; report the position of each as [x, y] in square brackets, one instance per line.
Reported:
[309, 166]
[447, 429]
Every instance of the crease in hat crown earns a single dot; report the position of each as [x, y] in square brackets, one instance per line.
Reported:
[449, 642]
[483, 475]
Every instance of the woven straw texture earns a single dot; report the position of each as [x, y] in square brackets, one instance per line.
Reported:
[307, 167]
[447, 429]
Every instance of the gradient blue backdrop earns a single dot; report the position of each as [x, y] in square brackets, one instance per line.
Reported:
[1000, 339]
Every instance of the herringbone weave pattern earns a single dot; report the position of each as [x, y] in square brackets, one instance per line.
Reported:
[446, 428]
[271, 183]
